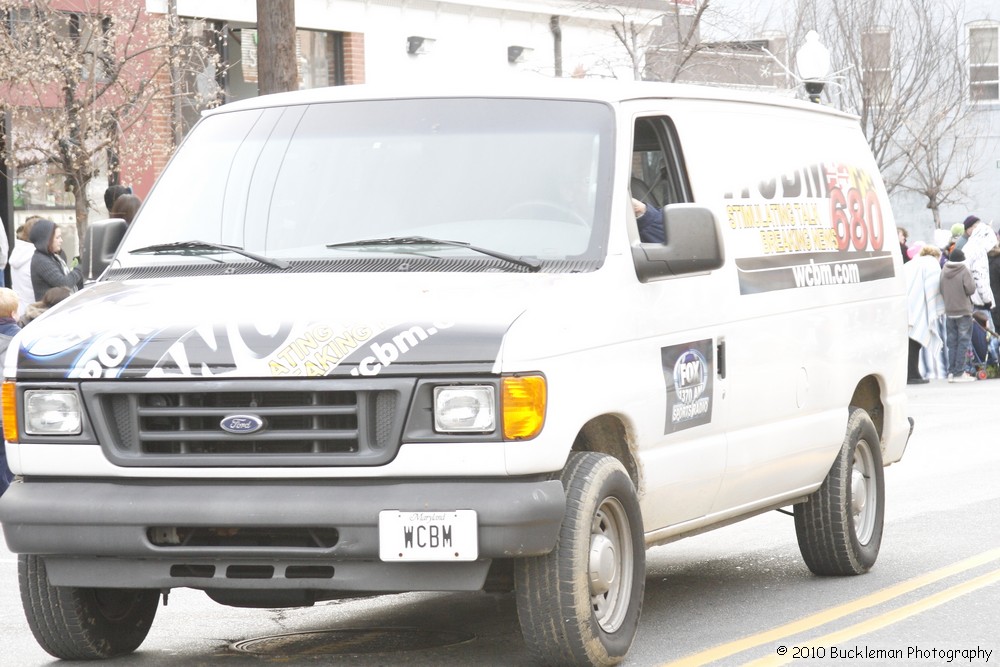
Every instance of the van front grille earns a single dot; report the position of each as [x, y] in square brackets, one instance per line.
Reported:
[280, 422]
[292, 422]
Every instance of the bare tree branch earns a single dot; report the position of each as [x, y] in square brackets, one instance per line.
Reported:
[909, 88]
[80, 84]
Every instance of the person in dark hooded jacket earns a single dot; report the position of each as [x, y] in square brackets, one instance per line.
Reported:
[48, 264]
[957, 288]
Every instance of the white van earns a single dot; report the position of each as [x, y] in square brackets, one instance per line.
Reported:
[364, 341]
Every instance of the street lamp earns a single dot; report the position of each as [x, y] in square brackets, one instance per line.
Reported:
[813, 62]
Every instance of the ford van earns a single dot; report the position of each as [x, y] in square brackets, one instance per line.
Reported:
[363, 341]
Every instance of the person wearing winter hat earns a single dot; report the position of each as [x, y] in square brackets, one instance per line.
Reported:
[48, 264]
[957, 286]
[958, 229]
[982, 239]
[956, 240]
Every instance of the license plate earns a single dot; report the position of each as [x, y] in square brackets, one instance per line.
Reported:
[428, 536]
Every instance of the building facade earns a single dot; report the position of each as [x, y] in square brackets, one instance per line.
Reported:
[343, 42]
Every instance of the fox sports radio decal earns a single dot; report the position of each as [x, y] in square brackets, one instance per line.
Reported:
[687, 372]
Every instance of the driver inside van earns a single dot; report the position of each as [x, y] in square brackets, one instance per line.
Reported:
[650, 221]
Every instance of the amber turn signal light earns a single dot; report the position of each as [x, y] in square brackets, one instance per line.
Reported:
[522, 403]
[9, 396]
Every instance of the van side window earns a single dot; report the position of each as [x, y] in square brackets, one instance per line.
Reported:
[657, 177]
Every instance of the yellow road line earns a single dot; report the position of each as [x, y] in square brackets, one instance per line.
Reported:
[821, 618]
[888, 618]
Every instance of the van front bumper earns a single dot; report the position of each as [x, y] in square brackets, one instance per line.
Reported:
[99, 533]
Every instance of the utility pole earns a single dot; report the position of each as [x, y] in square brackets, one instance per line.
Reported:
[277, 68]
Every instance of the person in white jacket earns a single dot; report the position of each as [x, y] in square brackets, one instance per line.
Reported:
[925, 310]
[20, 266]
[976, 249]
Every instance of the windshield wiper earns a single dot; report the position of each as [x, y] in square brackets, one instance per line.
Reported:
[184, 246]
[526, 262]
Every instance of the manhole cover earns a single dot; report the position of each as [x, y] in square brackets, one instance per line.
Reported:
[351, 641]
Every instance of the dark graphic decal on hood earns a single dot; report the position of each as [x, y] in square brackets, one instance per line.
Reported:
[363, 351]
[177, 351]
[317, 350]
[422, 344]
[115, 332]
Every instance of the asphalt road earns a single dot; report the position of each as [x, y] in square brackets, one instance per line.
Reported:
[740, 595]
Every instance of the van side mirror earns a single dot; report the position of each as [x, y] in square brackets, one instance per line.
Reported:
[100, 245]
[694, 245]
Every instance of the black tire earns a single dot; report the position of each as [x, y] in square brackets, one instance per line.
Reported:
[83, 623]
[839, 528]
[580, 604]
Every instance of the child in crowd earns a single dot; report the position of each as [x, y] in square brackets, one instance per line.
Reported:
[8, 312]
[52, 296]
[957, 287]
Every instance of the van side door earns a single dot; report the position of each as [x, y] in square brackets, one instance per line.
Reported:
[683, 441]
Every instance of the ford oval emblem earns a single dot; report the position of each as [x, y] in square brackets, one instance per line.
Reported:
[241, 424]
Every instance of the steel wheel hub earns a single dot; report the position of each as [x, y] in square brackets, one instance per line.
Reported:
[864, 500]
[859, 492]
[603, 564]
[609, 564]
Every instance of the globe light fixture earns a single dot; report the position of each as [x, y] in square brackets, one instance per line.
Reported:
[813, 63]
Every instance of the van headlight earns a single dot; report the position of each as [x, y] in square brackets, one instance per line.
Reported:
[465, 409]
[52, 412]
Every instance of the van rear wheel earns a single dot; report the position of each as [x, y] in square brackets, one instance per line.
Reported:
[83, 623]
[580, 603]
[839, 528]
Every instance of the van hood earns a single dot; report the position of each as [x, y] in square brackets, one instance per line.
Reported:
[357, 325]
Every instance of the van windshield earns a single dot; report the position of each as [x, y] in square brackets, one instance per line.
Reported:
[528, 178]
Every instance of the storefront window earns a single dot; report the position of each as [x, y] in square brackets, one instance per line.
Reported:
[315, 55]
[35, 188]
[317, 52]
[37, 183]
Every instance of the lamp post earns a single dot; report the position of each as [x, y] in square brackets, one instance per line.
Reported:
[813, 62]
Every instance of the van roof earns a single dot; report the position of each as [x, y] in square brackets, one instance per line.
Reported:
[611, 91]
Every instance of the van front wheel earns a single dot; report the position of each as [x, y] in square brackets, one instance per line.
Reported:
[580, 603]
[83, 623]
[839, 528]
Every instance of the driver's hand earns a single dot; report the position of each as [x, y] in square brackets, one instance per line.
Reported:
[638, 207]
